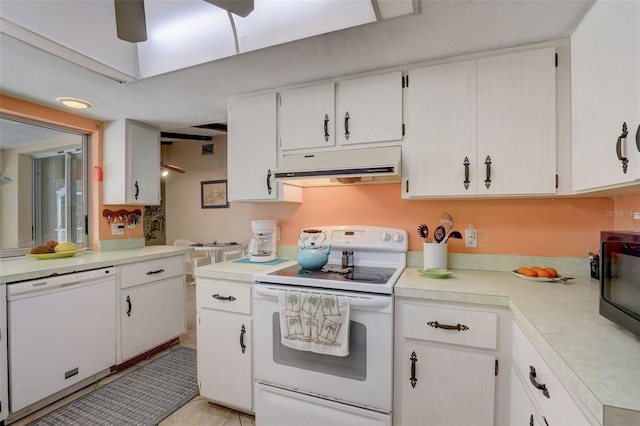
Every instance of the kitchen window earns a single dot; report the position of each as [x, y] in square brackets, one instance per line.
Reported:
[44, 193]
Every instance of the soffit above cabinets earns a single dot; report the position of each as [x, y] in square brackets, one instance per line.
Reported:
[180, 33]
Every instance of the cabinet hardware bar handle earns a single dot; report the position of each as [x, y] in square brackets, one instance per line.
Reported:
[621, 150]
[436, 324]
[229, 298]
[487, 181]
[638, 138]
[541, 386]
[269, 181]
[413, 379]
[346, 126]
[157, 271]
[242, 331]
[137, 190]
[531, 420]
[129, 308]
[466, 172]
[326, 127]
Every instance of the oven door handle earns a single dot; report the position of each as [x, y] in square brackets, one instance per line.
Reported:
[355, 301]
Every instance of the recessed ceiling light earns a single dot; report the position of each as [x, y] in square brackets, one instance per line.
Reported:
[74, 103]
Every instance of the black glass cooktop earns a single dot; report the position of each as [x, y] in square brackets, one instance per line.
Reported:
[362, 274]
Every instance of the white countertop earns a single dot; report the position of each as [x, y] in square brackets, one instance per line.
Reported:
[597, 359]
[24, 268]
[235, 271]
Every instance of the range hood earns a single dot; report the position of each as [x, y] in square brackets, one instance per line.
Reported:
[352, 166]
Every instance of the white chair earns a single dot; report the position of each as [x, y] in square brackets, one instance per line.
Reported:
[195, 258]
[235, 253]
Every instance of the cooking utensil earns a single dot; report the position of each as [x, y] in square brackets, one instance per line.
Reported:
[439, 234]
[446, 220]
[453, 234]
[423, 231]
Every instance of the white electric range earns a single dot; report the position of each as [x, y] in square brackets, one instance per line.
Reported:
[296, 387]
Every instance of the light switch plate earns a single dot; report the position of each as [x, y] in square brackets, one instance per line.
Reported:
[117, 229]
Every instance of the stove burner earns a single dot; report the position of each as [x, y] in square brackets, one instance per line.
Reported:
[363, 274]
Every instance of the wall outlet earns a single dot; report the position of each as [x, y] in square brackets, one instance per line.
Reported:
[117, 229]
[471, 237]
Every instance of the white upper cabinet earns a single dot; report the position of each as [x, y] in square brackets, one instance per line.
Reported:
[605, 83]
[131, 160]
[369, 109]
[440, 130]
[307, 117]
[482, 127]
[517, 123]
[252, 151]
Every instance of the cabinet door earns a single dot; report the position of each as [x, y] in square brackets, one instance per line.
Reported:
[522, 411]
[144, 164]
[440, 140]
[224, 367]
[452, 387]
[369, 109]
[605, 92]
[517, 123]
[4, 373]
[251, 148]
[150, 315]
[306, 117]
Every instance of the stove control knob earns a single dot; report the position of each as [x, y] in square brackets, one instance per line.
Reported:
[397, 238]
[384, 236]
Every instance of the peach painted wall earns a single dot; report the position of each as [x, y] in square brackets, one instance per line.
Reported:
[561, 227]
[27, 110]
[623, 210]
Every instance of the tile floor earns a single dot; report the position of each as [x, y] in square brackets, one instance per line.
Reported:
[196, 412]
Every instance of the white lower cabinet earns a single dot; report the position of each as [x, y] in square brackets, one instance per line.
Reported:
[152, 305]
[447, 363]
[537, 391]
[4, 373]
[224, 327]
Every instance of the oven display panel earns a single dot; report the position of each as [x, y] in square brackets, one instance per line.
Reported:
[346, 235]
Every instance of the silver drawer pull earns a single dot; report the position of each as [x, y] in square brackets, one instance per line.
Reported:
[534, 382]
[229, 298]
[436, 324]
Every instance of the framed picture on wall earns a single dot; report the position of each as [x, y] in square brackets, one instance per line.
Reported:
[213, 194]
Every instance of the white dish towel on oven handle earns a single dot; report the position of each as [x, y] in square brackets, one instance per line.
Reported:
[315, 322]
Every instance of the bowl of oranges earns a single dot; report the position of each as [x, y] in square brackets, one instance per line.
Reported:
[535, 273]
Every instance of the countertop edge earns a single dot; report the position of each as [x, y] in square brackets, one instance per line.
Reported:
[14, 270]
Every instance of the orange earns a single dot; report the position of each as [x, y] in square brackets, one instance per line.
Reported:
[527, 271]
[552, 272]
[541, 272]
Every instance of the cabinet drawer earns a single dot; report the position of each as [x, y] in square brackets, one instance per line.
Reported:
[556, 404]
[224, 296]
[150, 270]
[477, 328]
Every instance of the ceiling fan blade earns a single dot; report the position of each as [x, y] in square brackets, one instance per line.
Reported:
[130, 21]
[238, 7]
[172, 167]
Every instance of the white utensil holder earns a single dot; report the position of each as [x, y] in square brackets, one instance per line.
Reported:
[435, 255]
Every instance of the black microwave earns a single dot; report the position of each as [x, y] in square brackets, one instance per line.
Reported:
[620, 278]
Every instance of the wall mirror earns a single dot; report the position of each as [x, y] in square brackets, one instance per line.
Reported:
[44, 191]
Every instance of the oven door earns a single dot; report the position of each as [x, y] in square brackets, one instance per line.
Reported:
[363, 378]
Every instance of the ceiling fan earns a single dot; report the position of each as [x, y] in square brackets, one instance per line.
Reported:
[171, 167]
[131, 23]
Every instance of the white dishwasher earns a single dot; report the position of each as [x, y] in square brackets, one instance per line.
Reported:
[61, 331]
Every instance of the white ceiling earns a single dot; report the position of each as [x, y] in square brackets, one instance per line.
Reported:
[198, 94]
